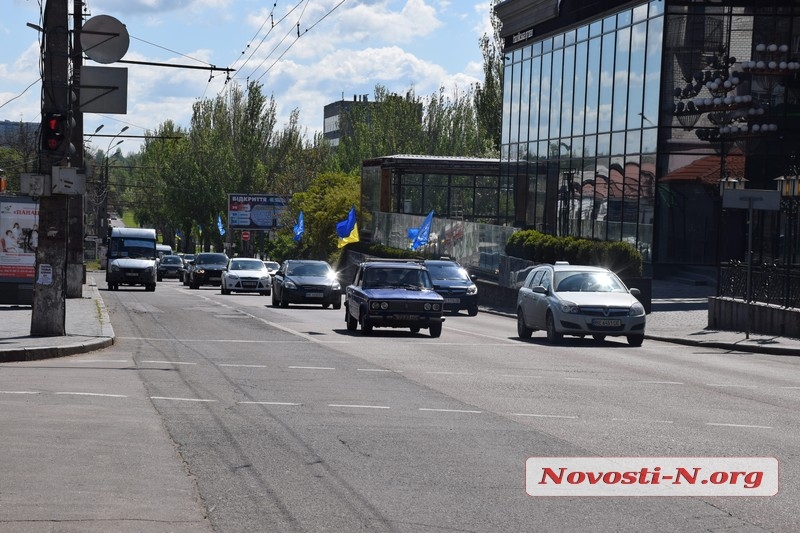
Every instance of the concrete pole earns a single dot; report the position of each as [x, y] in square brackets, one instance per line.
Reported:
[75, 223]
[49, 289]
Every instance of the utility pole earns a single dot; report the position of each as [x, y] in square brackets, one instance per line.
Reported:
[75, 222]
[49, 293]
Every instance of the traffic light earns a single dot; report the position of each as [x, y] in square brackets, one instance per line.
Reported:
[52, 131]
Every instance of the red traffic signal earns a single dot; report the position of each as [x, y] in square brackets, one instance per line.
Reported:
[52, 131]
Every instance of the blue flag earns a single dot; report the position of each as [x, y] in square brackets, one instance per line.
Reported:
[299, 228]
[220, 226]
[423, 233]
[347, 229]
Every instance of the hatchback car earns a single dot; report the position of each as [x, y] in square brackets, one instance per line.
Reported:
[454, 284]
[300, 281]
[170, 266]
[272, 266]
[206, 269]
[246, 275]
[564, 299]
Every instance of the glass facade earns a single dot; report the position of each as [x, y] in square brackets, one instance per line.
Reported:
[579, 127]
[625, 126]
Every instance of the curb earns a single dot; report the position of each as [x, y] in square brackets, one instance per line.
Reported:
[48, 352]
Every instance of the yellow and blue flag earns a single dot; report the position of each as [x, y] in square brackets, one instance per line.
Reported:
[347, 229]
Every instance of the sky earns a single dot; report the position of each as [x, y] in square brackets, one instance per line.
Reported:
[345, 48]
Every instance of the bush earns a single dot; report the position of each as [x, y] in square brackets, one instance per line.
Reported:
[620, 257]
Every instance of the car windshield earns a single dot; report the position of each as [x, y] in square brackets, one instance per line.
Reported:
[587, 282]
[318, 270]
[447, 271]
[211, 259]
[409, 278]
[272, 265]
[246, 265]
[171, 259]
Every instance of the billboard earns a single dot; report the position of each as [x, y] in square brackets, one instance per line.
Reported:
[255, 211]
[19, 238]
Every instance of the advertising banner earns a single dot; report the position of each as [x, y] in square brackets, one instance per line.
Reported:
[255, 211]
[19, 238]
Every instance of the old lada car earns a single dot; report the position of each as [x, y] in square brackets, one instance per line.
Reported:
[393, 294]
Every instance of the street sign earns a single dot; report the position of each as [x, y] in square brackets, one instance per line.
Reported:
[245, 235]
[758, 199]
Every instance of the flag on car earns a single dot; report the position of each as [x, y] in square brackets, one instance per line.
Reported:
[299, 228]
[347, 229]
[423, 233]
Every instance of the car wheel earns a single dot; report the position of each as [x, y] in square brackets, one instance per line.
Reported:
[194, 285]
[635, 340]
[337, 305]
[436, 329]
[366, 326]
[325, 306]
[264, 293]
[415, 329]
[274, 299]
[473, 311]
[599, 338]
[160, 278]
[151, 287]
[523, 331]
[283, 301]
[352, 323]
[553, 336]
[225, 291]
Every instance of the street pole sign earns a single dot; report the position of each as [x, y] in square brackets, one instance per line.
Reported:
[750, 199]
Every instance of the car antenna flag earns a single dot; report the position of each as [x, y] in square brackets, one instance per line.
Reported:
[220, 226]
[423, 233]
[347, 229]
[299, 228]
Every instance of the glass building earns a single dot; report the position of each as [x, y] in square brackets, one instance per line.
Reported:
[624, 120]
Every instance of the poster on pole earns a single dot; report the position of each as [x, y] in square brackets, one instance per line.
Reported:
[255, 211]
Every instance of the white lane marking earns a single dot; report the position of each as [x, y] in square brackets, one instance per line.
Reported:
[453, 373]
[506, 340]
[242, 366]
[449, 410]
[520, 376]
[378, 370]
[544, 416]
[91, 394]
[180, 399]
[737, 425]
[311, 368]
[730, 385]
[18, 392]
[269, 403]
[660, 382]
[788, 387]
[647, 420]
[355, 406]
[167, 363]
[226, 341]
[83, 361]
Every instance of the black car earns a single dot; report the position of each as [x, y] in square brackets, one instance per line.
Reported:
[169, 266]
[454, 284]
[206, 269]
[306, 282]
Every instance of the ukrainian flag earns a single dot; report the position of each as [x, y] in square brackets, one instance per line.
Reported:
[347, 229]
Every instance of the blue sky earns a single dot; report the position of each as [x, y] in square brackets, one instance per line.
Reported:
[345, 48]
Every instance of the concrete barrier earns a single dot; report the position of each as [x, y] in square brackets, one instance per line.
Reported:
[728, 314]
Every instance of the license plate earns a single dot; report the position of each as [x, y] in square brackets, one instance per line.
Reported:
[313, 295]
[214, 279]
[606, 322]
[407, 318]
[132, 274]
[452, 300]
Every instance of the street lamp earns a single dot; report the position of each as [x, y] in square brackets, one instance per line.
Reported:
[103, 218]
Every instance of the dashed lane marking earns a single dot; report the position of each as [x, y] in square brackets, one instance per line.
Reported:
[449, 410]
[312, 368]
[537, 415]
[355, 406]
[737, 425]
[169, 398]
[91, 394]
[166, 362]
[269, 403]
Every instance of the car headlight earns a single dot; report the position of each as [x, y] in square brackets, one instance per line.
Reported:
[472, 289]
[233, 276]
[289, 284]
[335, 286]
[114, 267]
[149, 270]
[570, 307]
[637, 309]
[200, 271]
[265, 278]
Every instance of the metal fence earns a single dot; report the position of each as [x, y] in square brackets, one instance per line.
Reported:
[773, 283]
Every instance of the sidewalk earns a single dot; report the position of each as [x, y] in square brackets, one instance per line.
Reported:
[679, 315]
[87, 325]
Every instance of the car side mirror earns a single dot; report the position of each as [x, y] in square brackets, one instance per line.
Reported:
[539, 290]
[635, 292]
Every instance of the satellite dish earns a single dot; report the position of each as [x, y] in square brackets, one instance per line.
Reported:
[104, 39]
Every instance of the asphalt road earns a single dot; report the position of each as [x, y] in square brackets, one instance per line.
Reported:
[281, 420]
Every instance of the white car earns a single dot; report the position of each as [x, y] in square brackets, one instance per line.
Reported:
[246, 275]
[564, 299]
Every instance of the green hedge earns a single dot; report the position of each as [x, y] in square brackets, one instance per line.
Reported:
[621, 257]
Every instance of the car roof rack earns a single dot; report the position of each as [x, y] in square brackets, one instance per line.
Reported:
[392, 260]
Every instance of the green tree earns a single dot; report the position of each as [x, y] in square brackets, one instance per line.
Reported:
[489, 95]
